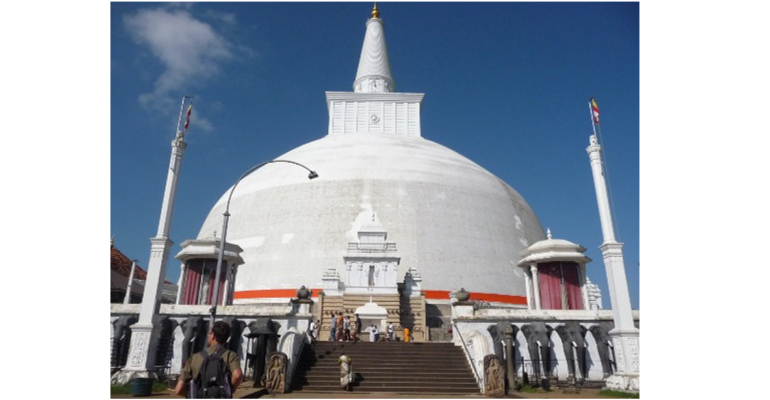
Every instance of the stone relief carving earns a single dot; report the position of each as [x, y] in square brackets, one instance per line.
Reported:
[274, 379]
[494, 376]
[140, 348]
[633, 352]
[620, 361]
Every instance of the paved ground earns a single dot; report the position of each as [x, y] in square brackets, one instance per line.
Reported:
[248, 392]
[245, 391]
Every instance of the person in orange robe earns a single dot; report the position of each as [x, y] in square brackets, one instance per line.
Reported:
[340, 328]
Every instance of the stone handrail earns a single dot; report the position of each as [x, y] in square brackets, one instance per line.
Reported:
[479, 378]
[292, 344]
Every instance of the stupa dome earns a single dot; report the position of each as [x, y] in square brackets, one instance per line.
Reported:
[456, 223]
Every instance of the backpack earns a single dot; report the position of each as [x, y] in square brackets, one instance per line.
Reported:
[213, 380]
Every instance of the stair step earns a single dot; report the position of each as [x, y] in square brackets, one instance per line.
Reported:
[390, 382]
[392, 386]
[394, 356]
[372, 375]
[394, 370]
[387, 353]
[386, 350]
[392, 389]
[384, 382]
[387, 367]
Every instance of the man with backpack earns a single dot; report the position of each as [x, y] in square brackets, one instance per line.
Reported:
[214, 372]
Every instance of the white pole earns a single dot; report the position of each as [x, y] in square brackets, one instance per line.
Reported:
[583, 286]
[535, 285]
[226, 291]
[181, 110]
[625, 335]
[528, 290]
[127, 299]
[181, 282]
[145, 333]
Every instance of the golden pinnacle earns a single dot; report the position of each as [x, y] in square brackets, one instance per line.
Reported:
[375, 12]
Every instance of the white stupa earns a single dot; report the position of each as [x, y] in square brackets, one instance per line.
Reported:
[456, 223]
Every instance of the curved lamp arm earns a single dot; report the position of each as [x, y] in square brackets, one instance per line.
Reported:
[214, 299]
[312, 175]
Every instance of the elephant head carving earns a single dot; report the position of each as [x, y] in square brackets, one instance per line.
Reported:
[263, 330]
[164, 351]
[120, 339]
[194, 336]
[572, 336]
[601, 334]
[538, 336]
[496, 332]
[236, 328]
[122, 325]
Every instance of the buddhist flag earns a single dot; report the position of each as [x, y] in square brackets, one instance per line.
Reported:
[594, 111]
[187, 118]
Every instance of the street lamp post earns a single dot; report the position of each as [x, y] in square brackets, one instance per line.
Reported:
[220, 256]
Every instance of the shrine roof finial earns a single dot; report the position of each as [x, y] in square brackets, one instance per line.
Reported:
[375, 11]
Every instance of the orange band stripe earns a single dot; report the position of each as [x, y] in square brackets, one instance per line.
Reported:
[490, 297]
[269, 293]
[429, 294]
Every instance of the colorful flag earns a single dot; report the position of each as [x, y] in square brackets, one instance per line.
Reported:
[595, 111]
[187, 119]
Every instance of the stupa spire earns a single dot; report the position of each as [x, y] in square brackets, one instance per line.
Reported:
[375, 11]
[374, 65]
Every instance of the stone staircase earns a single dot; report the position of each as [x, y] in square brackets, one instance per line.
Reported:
[397, 367]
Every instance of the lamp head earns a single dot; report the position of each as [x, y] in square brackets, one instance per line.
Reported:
[312, 175]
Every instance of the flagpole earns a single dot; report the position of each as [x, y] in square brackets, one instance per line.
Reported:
[624, 335]
[590, 112]
[145, 333]
[181, 111]
[605, 167]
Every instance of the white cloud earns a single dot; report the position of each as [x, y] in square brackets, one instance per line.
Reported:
[202, 123]
[228, 18]
[190, 50]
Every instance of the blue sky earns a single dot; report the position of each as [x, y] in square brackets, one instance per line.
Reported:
[506, 85]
